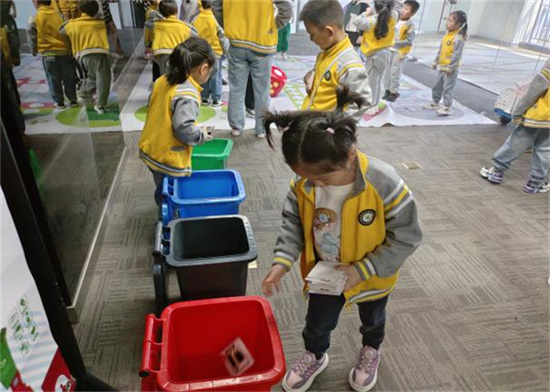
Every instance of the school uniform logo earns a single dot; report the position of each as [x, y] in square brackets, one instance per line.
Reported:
[328, 76]
[367, 217]
[449, 43]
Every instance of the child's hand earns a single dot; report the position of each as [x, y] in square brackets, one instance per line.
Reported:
[207, 132]
[353, 276]
[517, 120]
[308, 81]
[273, 280]
[434, 65]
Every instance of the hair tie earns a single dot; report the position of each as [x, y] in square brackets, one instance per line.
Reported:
[283, 129]
[330, 130]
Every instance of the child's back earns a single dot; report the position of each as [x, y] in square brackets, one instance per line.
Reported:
[88, 35]
[208, 28]
[44, 31]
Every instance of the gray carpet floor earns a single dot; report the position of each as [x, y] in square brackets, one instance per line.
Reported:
[471, 308]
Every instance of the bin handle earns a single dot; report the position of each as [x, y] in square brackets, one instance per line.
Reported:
[157, 251]
[150, 346]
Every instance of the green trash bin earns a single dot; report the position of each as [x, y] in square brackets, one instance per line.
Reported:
[212, 155]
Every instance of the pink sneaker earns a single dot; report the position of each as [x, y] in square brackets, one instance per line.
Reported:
[302, 374]
[363, 375]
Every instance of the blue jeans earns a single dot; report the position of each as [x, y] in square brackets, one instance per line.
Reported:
[60, 72]
[214, 85]
[520, 140]
[243, 62]
[322, 317]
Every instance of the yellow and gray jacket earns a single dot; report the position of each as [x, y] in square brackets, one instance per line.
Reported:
[449, 55]
[151, 14]
[370, 44]
[534, 107]
[87, 35]
[43, 33]
[168, 33]
[337, 65]
[379, 229]
[170, 132]
[209, 29]
[405, 36]
[253, 24]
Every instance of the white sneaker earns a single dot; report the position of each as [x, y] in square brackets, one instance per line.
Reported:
[372, 111]
[250, 113]
[431, 106]
[99, 110]
[444, 111]
[260, 135]
[236, 132]
[284, 56]
[302, 374]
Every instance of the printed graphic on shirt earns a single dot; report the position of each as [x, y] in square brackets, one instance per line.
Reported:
[325, 224]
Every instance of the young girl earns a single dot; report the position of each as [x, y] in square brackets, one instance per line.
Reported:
[170, 132]
[447, 61]
[378, 39]
[373, 220]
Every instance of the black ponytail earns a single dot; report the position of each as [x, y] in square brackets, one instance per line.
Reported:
[188, 55]
[462, 19]
[383, 9]
[317, 137]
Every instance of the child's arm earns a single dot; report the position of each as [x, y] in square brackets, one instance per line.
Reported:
[403, 232]
[185, 112]
[409, 39]
[365, 22]
[148, 32]
[290, 241]
[32, 35]
[224, 42]
[284, 12]
[458, 48]
[356, 77]
[537, 87]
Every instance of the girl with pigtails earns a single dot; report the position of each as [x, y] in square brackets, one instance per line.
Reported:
[373, 227]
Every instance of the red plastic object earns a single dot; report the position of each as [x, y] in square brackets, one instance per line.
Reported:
[278, 81]
[181, 350]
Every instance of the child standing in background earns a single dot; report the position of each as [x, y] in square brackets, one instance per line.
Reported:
[370, 210]
[351, 12]
[165, 145]
[167, 33]
[532, 114]
[209, 29]
[448, 60]
[337, 63]
[90, 46]
[378, 38]
[404, 41]
[69, 8]
[151, 14]
[45, 38]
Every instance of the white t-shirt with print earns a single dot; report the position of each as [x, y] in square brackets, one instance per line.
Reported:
[327, 220]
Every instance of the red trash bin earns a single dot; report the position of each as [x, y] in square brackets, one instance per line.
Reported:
[181, 350]
[278, 81]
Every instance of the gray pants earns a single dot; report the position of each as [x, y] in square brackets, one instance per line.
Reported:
[445, 87]
[98, 77]
[395, 73]
[520, 140]
[377, 65]
[162, 61]
[60, 72]
[241, 63]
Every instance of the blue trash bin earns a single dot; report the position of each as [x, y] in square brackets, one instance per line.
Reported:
[204, 193]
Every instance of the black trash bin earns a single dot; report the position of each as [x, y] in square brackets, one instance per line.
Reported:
[210, 255]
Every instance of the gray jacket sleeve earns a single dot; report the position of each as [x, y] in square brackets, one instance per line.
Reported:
[217, 8]
[358, 81]
[224, 42]
[411, 35]
[403, 232]
[537, 87]
[184, 114]
[32, 34]
[284, 12]
[364, 22]
[458, 48]
[290, 242]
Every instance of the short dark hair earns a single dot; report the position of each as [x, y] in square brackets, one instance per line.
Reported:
[318, 138]
[168, 8]
[323, 13]
[206, 4]
[45, 2]
[188, 55]
[415, 5]
[89, 7]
